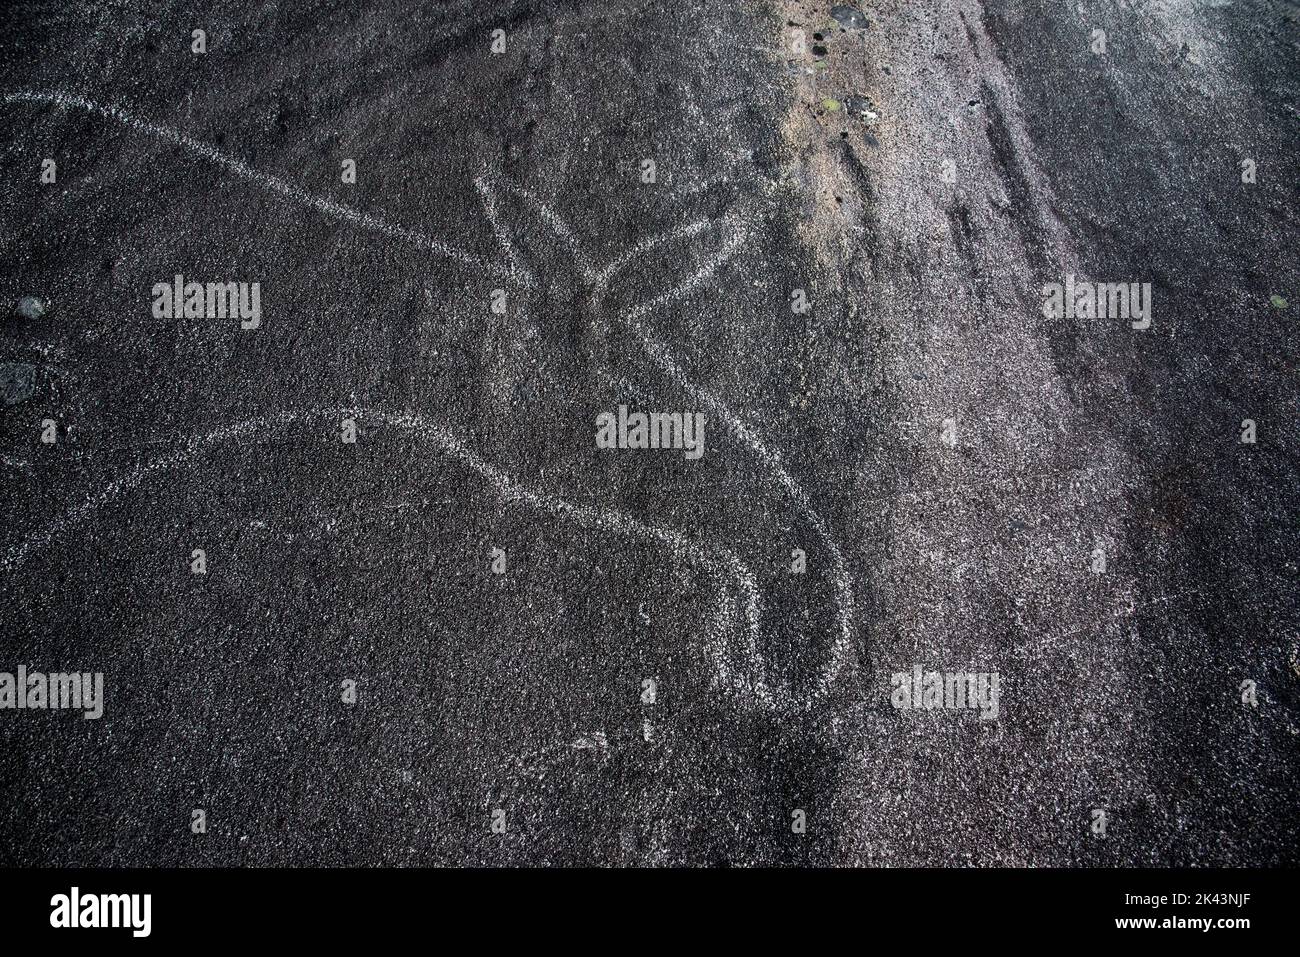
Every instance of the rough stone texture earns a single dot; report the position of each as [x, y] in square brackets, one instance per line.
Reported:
[370, 562]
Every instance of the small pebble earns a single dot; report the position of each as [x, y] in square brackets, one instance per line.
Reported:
[861, 106]
[849, 18]
[30, 307]
[17, 382]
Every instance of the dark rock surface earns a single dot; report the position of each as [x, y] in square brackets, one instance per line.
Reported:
[524, 171]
